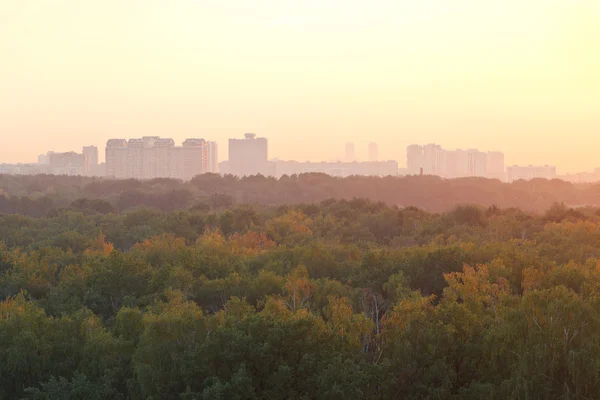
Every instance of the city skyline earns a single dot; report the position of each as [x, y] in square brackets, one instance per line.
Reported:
[361, 151]
[151, 157]
[335, 153]
[369, 153]
[512, 75]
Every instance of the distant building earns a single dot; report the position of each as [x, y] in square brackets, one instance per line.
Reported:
[457, 164]
[224, 168]
[213, 157]
[91, 159]
[24, 169]
[194, 153]
[163, 154]
[495, 165]
[55, 163]
[477, 163]
[432, 159]
[154, 157]
[44, 159]
[117, 161]
[248, 156]
[582, 177]
[69, 163]
[414, 159]
[515, 172]
[350, 152]
[338, 169]
[373, 152]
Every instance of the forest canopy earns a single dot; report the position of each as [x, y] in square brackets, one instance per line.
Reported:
[202, 293]
[36, 195]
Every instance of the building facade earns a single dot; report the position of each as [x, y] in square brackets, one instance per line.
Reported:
[117, 162]
[91, 160]
[432, 159]
[495, 165]
[414, 159]
[457, 164]
[154, 157]
[248, 156]
[477, 166]
[213, 157]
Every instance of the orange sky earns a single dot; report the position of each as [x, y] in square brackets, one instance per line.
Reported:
[309, 75]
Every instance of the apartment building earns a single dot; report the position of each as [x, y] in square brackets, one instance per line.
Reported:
[152, 157]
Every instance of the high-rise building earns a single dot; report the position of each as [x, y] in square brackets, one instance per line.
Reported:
[117, 159]
[477, 163]
[433, 160]
[142, 157]
[213, 157]
[91, 158]
[373, 152]
[350, 152]
[162, 165]
[495, 165]
[414, 159]
[195, 158]
[154, 157]
[457, 164]
[248, 156]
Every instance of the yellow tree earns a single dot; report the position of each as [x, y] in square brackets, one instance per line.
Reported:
[297, 287]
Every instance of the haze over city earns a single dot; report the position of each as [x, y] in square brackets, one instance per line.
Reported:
[514, 76]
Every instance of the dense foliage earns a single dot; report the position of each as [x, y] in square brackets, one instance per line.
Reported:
[340, 299]
[37, 195]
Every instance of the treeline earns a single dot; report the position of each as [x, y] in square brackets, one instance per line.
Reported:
[38, 195]
[339, 299]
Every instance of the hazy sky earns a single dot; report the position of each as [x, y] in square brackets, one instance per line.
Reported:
[522, 76]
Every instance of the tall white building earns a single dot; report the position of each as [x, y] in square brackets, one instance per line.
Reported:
[495, 165]
[414, 159]
[154, 157]
[91, 160]
[193, 158]
[457, 164]
[477, 163]
[432, 159]
[213, 157]
[248, 156]
[117, 161]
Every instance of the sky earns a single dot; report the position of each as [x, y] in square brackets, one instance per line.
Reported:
[522, 77]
